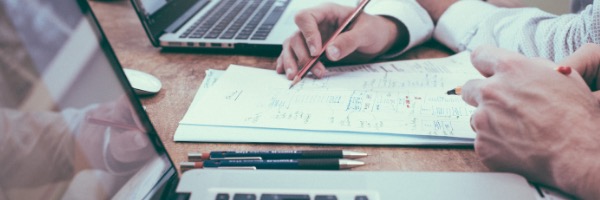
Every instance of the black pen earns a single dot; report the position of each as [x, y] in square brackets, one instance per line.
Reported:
[316, 164]
[258, 155]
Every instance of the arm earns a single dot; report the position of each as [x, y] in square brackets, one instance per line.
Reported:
[547, 132]
[529, 31]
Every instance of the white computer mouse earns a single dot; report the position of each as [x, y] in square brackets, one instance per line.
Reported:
[142, 82]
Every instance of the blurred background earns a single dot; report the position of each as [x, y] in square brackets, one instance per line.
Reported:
[552, 6]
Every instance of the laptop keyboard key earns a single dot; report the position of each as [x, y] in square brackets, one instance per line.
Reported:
[284, 197]
[244, 197]
[325, 197]
[361, 197]
[222, 196]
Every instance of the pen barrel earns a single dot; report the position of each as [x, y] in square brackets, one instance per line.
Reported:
[259, 164]
[279, 154]
[322, 164]
[323, 154]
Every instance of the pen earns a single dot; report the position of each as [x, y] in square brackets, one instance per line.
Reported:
[566, 70]
[264, 155]
[108, 123]
[317, 164]
[343, 27]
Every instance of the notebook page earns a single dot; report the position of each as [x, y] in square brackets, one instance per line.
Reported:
[409, 100]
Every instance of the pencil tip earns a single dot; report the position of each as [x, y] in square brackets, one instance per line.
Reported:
[451, 92]
[296, 80]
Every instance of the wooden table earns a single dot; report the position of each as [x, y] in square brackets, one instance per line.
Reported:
[182, 73]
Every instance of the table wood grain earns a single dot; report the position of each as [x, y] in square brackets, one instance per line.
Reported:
[182, 73]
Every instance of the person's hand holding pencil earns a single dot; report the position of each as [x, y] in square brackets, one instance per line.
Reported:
[369, 37]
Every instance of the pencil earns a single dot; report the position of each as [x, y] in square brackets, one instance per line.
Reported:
[455, 91]
[342, 28]
[566, 70]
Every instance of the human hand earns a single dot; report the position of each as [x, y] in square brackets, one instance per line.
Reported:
[369, 37]
[534, 121]
[586, 61]
[113, 139]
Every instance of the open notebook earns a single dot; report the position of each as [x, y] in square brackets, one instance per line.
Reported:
[398, 103]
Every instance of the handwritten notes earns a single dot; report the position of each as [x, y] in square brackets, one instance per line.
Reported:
[405, 97]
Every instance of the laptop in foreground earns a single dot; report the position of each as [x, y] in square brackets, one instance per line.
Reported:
[246, 26]
[72, 128]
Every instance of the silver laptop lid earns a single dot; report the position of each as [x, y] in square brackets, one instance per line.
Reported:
[160, 16]
[70, 125]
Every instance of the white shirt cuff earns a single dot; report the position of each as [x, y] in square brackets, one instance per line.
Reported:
[459, 23]
[409, 12]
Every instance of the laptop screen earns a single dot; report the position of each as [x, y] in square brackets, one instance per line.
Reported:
[157, 16]
[70, 125]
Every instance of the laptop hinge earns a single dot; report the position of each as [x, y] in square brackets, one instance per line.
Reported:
[186, 16]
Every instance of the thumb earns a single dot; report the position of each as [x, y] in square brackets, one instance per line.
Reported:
[586, 61]
[343, 45]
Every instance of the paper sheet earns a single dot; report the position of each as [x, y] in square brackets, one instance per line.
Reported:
[406, 97]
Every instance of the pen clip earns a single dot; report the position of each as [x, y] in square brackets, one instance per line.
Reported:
[237, 158]
[244, 168]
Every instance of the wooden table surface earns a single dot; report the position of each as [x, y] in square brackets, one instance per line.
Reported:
[182, 73]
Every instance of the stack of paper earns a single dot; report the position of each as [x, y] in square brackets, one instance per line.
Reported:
[393, 103]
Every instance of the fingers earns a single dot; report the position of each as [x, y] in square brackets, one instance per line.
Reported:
[319, 70]
[470, 92]
[586, 61]
[288, 60]
[489, 60]
[279, 65]
[294, 55]
[308, 23]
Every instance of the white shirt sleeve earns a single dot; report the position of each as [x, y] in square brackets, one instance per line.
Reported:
[409, 12]
[529, 31]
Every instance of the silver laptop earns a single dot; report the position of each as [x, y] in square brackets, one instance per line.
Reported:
[72, 128]
[237, 25]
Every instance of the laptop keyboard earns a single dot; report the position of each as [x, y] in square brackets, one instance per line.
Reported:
[238, 19]
[225, 196]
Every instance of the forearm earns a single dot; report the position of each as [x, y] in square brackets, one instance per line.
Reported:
[529, 31]
[414, 26]
[582, 180]
[592, 183]
[576, 169]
